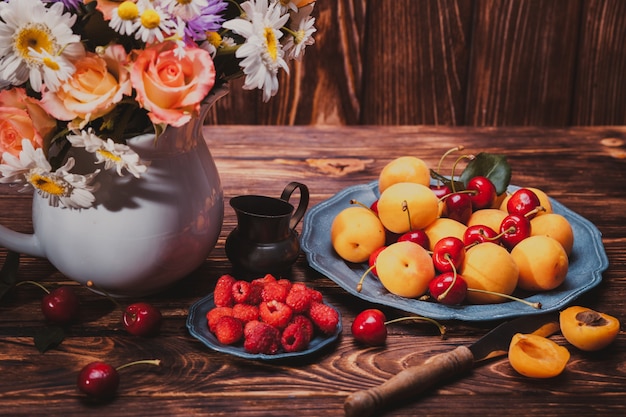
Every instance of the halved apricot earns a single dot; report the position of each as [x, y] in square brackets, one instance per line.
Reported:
[536, 356]
[587, 329]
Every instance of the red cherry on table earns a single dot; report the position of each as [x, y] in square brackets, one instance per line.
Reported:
[98, 380]
[60, 306]
[459, 207]
[448, 288]
[484, 192]
[416, 236]
[142, 319]
[448, 254]
[513, 229]
[478, 233]
[369, 327]
[523, 202]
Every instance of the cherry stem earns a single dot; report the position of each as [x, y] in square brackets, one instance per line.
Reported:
[459, 159]
[536, 305]
[358, 203]
[90, 284]
[155, 362]
[33, 283]
[445, 155]
[405, 207]
[444, 294]
[473, 192]
[441, 327]
[359, 286]
[535, 211]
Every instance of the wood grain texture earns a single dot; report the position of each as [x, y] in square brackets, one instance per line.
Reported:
[583, 167]
[451, 62]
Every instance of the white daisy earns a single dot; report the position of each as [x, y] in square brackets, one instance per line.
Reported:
[262, 54]
[186, 9]
[154, 22]
[302, 29]
[61, 187]
[111, 154]
[29, 32]
[125, 18]
[55, 70]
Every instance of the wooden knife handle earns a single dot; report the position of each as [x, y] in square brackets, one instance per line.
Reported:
[411, 381]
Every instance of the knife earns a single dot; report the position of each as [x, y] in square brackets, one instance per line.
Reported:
[416, 379]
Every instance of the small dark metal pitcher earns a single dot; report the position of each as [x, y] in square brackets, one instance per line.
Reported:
[265, 239]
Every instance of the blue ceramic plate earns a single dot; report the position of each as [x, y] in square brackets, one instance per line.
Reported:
[197, 326]
[587, 262]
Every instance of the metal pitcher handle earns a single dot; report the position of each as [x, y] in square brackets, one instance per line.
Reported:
[302, 204]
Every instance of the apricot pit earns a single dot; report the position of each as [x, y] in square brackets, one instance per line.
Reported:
[587, 329]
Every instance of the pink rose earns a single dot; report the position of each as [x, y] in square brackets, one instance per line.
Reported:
[169, 87]
[22, 117]
[98, 84]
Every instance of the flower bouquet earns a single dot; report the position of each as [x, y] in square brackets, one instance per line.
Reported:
[90, 74]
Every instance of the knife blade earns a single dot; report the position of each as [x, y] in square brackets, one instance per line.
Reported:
[416, 379]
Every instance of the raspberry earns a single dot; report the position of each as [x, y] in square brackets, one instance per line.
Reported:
[304, 323]
[223, 295]
[228, 330]
[241, 291]
[245, 312]
[215, 314]
[316, 295]
[260, 337]
[274, 291]
[275, 313]
[324, 317]
[299, 298]
[256, 288]
[295, 338]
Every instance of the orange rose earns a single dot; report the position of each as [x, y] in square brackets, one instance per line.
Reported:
[98, 84]
[169, 87]
[22, 117]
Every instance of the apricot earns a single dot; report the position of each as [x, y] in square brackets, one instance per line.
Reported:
[489, 267]
[542, 263]
[537, 356]
[355, 233]
[587, 329]
[406, 206]
[405, 269]
[444, 227]
[487, 217]
[404, 169]
[555, 226]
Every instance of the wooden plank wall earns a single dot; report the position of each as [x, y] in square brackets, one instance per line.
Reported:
[451, 62]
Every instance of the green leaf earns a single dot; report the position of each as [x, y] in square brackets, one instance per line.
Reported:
[8, 273]
[48, 338]
[458, 185]
[493, 166]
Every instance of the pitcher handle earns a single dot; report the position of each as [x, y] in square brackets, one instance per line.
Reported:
[302, 205]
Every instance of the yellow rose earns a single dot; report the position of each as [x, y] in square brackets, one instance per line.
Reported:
[21, 117]
[98, 84]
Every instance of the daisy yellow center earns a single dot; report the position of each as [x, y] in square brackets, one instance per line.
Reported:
[128, 11]
[150, 19]
[184, 1]
[299, 37]
[35, 36]
[109, 155]
[47, 184]
[272, 43]
[214, 38]
[52, 64]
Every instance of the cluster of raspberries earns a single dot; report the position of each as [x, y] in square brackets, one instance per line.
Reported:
[269, 315]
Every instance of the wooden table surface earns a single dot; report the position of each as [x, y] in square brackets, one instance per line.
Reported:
[583, 168]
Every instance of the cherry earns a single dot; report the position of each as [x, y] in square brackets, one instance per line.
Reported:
[513, 229]
[523, 202]
[485, 192]
[459, 206]
[479, 233]
[448, 288]
[59, 306]
[370, 326]
[99, 380]
[374, 207]
[142, 319]
[372, 259]
[441, 190]
[416, 236]
[448, 254]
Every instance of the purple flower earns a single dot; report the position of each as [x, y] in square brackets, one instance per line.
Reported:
[210, 20]
[69, 4]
